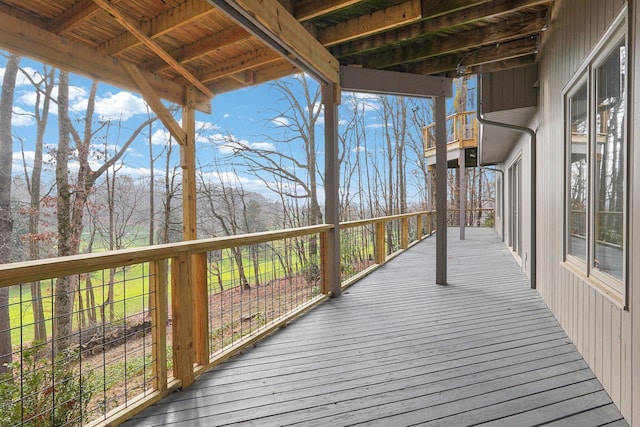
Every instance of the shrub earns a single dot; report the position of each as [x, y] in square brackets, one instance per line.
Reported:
[41, 391]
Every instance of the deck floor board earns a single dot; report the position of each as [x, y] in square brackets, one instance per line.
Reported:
[397, 349]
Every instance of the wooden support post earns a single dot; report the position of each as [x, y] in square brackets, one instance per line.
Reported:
[405, 232]
[158, 284]
[381, 253]
[198, 277]
[182, 318]
[331, 259]
[462, 194]
[200, 308]
[188, 165]
[324, 263]
[419, 225]
[430, 223]
[441, 191]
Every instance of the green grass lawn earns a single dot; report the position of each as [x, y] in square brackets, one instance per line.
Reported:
[131, 289]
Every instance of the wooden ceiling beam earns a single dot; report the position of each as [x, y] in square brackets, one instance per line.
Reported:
[21, 15]
[153, 46]
[158, 26]
[501, 52]
[517, 28]
[272, 73]
[155, 103]
[507, 64]
[24, 38]
[247, 78]
[305, 10]
[373, 23]
[272, 23]
[239, 63]
[433, 8]
[431, 25]
[200, 48]
[80, 11]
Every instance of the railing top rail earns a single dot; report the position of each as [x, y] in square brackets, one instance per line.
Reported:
[30, 271]
[368, 221]
[452, 116]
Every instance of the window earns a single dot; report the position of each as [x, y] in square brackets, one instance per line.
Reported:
[596, 190]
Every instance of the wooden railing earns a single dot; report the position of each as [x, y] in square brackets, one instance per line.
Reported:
[487, 217]
[462, 128]
[146, 321]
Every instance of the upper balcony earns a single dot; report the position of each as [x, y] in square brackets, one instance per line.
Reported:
[462, 133]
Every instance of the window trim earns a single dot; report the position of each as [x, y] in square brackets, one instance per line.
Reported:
[616, 290]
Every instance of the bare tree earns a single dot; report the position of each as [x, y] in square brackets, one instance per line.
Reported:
[44, 84]
[421, 115]
[298, 124]
[72, 197]
[224, 203]
[169, 232]
[6, 222]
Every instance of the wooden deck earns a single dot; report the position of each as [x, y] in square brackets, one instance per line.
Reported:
[396, 349]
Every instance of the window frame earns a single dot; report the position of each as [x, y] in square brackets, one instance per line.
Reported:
[614, 288]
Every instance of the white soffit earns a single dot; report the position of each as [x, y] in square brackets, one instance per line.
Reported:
[497, 142]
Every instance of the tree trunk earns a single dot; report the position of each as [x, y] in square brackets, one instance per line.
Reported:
[6, 221]
[64, 289]
[41, 112]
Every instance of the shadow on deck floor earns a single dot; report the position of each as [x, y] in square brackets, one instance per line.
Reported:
[396, 349]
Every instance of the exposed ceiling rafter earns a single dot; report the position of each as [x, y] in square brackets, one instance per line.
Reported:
[153, 46]
[23, 38]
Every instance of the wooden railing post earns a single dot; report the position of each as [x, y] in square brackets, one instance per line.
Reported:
[158, 283]
[182, 318]
[200, 309]
[324, 263]
[419, 224]
[405, 232]
[380, 237]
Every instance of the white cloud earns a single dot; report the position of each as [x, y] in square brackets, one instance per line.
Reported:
[263, 146]
[160, 137]
[22, 117]
[121, 105]
[231, 178]
[226, 115]
[203, 129]
[230, 145]
[377, 126]
[77, 99]
[280, 121]
[358, 149]
[21, 79]
[364, 101]
[29, 158]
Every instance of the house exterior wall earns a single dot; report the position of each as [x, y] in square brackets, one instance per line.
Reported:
[510, 89]
[607, 335]
[522, 153]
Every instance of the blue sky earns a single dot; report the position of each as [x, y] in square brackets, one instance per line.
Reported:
[247, 115]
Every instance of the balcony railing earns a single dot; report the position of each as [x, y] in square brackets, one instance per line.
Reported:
[462, 131]
[146, 321]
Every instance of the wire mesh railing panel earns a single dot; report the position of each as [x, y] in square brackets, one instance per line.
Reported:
[88, 353]
[92, 336]
[393, 236]
[357, 250]
[253, 285]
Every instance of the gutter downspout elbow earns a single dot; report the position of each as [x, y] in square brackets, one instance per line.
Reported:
[533, 165]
